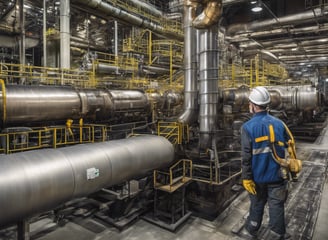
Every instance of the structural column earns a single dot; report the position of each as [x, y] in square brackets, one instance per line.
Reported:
[65, 53]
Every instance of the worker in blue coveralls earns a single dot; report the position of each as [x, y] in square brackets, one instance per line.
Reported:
[262, 176]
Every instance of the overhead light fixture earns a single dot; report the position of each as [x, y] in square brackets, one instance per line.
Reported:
[256, 6]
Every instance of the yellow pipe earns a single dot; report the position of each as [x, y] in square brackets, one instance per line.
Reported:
[4, 101]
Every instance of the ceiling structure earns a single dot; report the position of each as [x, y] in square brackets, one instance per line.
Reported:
[293, 33]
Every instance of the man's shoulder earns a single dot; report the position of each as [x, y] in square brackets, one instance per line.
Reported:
[273, 118]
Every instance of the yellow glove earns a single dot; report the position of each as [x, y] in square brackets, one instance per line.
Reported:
[249, 185]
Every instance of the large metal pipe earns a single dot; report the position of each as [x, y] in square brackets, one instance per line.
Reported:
[190, 65]
[44, 33]
[308, 16]
[27, 104]
[22, 33]
[208, 71]
[283, 98]
[39, 103]
[37, 181]
[65, 52]
[11, 42]
[147, 6]
[212, 10]
[125, 16]
[208, 85]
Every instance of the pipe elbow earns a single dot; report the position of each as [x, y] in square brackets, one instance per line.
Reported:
[188, 116]
[210, 15]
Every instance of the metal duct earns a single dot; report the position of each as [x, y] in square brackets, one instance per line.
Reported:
[130, 100]
[295, 98]
[22, 43]
[102, 68]
[65, 53]
[122, 15]
[267, 33]
[12, 42]
[211, 13]
[37, 181]
[190, 65]
[83, 43]
[285, 43]
[155, 70]
[27, 104]
[147, 6]
[39, 103]
[311, 15]
[286, 98]
[208, 85]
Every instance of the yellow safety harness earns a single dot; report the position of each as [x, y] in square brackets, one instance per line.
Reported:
[291, 164]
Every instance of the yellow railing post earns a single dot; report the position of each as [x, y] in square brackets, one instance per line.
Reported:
[54, 138]
[4, 101]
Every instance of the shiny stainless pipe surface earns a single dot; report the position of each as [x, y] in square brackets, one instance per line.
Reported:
[40, 103]
[208, 86]
[189, 114]
[37, 181]
[131, 18]
[28, 104]
[286, 98]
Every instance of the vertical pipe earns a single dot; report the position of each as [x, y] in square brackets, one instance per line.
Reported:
[208, 85]
[190, 65]
[150, 46]
[171, 63]
[22, 35]
[116, 45]
[44, 33]
[65, 54]
[22, 38]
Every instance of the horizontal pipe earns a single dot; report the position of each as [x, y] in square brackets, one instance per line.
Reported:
[120, 14]
[28, 104]
[37, 181]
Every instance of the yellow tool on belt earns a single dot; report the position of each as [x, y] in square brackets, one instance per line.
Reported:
[291, 164]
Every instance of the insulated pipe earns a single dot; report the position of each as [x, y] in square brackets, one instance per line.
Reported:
[208, 70]
[287, 98]
[116, 43]
[65, 52]
[44, 31]
[147, 6]
[105, 7]
[103, 68]
[211, 13]
[28, 104]
[11, 42]
[22, 34]
[208, 86]
[311, 15]
[190, 65]
[36, 181]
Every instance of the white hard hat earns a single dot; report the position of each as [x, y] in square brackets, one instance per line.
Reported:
[259, 96]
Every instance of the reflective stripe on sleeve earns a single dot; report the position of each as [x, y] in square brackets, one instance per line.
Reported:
[261, 150]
